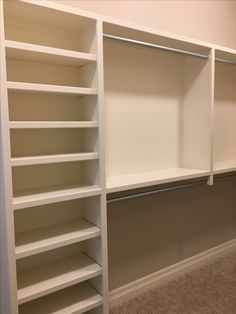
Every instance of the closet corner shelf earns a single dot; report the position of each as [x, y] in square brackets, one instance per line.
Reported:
[43, 239]
[138, 180]
[37, 199]
[47, 88]
[37, 282]
[225, 166]
[76, 299]
[43, 54]
[49, 159]
[52, 124]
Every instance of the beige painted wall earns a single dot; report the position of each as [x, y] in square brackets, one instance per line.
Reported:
[208, 20]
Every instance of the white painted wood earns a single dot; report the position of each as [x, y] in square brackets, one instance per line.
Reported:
[55, 196]
[8, 297]
[35, 283]
[52, 124]
[155, 279]
[36, 53]
[138, 180]
[43, 88]
[74, 300]
[225, 166]
[45, 239]
[48, 159]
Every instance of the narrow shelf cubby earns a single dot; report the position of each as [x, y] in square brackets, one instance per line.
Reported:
[225, 113]
[158, 117]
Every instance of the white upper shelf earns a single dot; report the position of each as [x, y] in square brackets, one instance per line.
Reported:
[52, 124]
[37, 282]
[138, 180]
[36, 53]
[46, 88]
[48, 238]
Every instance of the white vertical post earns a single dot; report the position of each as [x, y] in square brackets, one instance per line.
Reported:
[8, 287]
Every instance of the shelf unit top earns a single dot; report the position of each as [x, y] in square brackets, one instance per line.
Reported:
[35, 283]
[40, 240]
[50, 197]
[76, 299]
[52, 124]
[43, 54]
[138, 180]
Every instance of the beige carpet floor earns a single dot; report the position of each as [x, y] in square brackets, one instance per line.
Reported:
[211, 289]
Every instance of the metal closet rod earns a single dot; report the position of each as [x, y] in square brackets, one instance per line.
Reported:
[168, 189]
[174, 50]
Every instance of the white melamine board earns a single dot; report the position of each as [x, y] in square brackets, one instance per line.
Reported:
[44, 239]
[35, 283]
[225, 115]
[48, 159]
[74, 300]
[138, 180]
[197, 114]
[54, 196]
[225, 166]
[52, 124]
[36, 53]
[46, 88]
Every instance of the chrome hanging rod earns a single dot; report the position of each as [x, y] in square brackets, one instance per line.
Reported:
[225, 61]
[143, 43]
[160, 190]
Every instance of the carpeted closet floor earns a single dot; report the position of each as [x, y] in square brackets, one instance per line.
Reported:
[210, 289]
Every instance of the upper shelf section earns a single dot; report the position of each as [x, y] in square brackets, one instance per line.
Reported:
[41, 25]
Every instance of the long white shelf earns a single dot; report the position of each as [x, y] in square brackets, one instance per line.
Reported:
[138, 180]
[225, 166]
[74, 300]
[44, 239]
[48, 159]
[52, 124]
[43, 54]
[40, 281]
[36, 198]
[47, 88]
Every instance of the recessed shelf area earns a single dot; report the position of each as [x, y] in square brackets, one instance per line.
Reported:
[36, 53]
[158, 119]
[51, 237]
[76, 299]
[37, 282]
[225, 114]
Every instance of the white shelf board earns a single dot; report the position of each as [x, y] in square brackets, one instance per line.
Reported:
[225, 166]
[138, 180]
[48, 159]
[37, 198]
[44, 239]
[46, 88]
[43, 54]
[37, 282]
[52, 124]
[74, 300]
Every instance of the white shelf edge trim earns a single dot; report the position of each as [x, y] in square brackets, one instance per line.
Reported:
[49, 50]
[48, 159]
[133, 289]
[47, 88]
[52, 124]
[44, 239]
[38, 199]
[63, 273]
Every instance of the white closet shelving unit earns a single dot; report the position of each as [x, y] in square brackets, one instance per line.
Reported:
[170, 113]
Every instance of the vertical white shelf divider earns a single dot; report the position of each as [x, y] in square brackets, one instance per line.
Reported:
[8, 288]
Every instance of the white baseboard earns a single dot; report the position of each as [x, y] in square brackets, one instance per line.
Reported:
[137, 287]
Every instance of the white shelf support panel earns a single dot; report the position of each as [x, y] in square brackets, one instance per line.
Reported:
[44, 239]
[46, 88]
[52, 124]
[76, 299]
[52, 277]
[36, 53]
[49, 159]
[38, 199]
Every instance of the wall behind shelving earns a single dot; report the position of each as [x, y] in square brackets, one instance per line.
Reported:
[208, 20]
